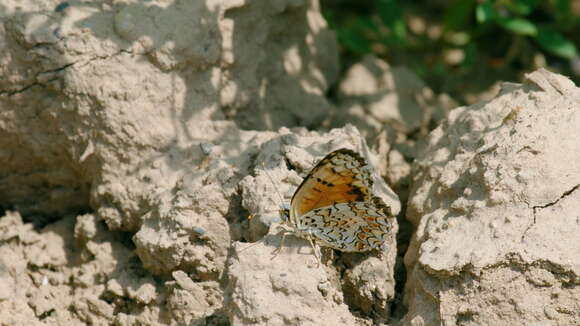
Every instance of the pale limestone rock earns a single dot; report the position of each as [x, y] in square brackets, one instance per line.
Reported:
[495, 202]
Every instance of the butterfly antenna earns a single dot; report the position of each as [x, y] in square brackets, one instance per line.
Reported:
[251, 245]
[272, 181]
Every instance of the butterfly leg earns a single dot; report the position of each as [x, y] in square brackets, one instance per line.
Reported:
[278, 250]
[315, 251]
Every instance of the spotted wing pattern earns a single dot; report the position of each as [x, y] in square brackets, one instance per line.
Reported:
[340, 177]
[334, 205]
[352, 227]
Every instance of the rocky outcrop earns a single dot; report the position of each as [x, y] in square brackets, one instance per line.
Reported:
[495, 204]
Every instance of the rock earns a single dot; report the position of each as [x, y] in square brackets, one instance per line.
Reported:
[192, 305]
[267, 288]
[369, 285]
[282, 289]
[119, 100]
[86, 228]
[133, 114]
[138, 186]
[495, 201]
[373, 94]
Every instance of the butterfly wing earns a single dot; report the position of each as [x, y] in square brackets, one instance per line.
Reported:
[342, 176]
[352, 227]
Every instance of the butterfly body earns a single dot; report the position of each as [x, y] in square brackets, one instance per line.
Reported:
[335, 208]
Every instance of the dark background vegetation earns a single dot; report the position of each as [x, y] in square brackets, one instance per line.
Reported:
[461, 47]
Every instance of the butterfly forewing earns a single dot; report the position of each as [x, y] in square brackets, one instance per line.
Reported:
[340, 177]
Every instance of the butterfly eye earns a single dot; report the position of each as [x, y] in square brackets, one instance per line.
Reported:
[284, 213]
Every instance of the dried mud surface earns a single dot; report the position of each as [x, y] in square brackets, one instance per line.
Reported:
[140, 179]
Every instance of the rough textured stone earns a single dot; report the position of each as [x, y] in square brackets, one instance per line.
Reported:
[495, 203]
[373, 94]
[279, 289]
[133, 175]
[119, 96]
[284, 290]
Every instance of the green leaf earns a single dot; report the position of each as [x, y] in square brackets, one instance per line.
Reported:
[562, 7]
[470, 51]
[364, 25]
[519, 26]
[438, 69]
[392, 16]
[458, 14]
[521, 7]
[389, 11]
[330, 17]
[484, 12]
[564, 16]
[555, 43]
[354, 41]
[400, 30]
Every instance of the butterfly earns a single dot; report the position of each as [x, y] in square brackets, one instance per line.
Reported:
[334, 206]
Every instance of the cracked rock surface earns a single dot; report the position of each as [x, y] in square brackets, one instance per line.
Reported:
[495, 201]
[146, 148]
[95, 89]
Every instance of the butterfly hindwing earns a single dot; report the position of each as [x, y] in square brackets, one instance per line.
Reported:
[354, 226]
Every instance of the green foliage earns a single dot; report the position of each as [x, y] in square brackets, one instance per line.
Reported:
[545, 31]
[392, 16]
[357, 33]
[458, 15]
[505, 32]
[556, 43]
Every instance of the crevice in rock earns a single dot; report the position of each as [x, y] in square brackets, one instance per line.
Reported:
[237, 217]
[538, 207]
[466, 317]
[58, 69]
[36, 83]
[218, 318]
[46, 314]
[565, 276]
[397, 308]
[564, 195]
[18, 91]
[289, 165]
